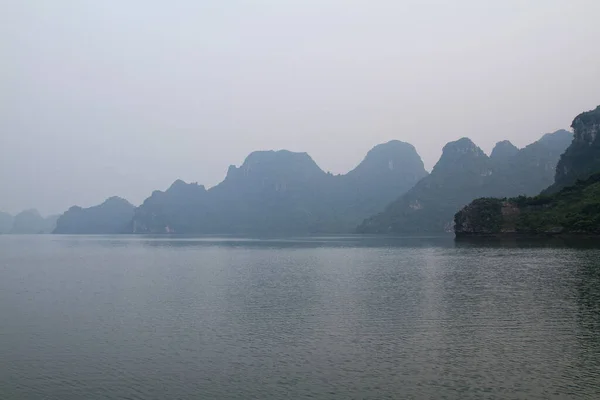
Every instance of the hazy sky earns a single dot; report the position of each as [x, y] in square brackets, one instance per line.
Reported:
[101, 98]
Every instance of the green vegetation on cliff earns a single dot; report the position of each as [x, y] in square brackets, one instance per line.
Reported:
[482, 215]
[573, 210]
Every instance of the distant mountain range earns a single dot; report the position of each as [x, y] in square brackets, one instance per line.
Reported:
[463, 173]
[27, 222]
[283, 192]
[570, 206]
[276, 192]
[272, 192]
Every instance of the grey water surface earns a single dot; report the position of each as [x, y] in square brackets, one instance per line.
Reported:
[128, 317]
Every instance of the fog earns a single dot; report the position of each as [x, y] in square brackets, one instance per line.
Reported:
[102, 98]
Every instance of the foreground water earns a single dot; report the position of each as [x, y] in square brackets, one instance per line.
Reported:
[322, 318]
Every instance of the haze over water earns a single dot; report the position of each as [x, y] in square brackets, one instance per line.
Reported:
[323, 318]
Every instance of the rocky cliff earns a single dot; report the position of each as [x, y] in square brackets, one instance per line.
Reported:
[582, 158]
[487, 216]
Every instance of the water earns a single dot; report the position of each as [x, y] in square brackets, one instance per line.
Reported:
[321, 318]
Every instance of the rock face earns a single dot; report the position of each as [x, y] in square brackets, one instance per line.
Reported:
[573, 210]
[276, 192]
[487, 217]
[582, 158]
[110, 217]
[31, 222]
[6, 222]
[463, 173]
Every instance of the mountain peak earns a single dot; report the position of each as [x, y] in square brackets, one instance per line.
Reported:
[588, 118]
[504, 150]
[464, 172]
[109, 217]
[558, 140]
[393, 157]
[177, 184]
[30, 221]
[271, 164]
[30, 212]
[180, 185]
[277, 157]
[391, 146]
[461, 146]
[587, 126]
[116, 200]
[582, 158]
[391, 149]
[458, 152]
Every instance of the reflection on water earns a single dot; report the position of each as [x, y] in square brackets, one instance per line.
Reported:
[313, 317]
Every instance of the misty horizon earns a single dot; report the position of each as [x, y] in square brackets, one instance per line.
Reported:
[106, 99]
[488, 153]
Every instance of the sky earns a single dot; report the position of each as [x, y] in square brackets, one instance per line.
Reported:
[103, 98]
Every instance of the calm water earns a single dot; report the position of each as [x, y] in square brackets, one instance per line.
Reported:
[323, 318]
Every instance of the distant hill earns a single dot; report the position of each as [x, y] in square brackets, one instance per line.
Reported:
[6, 222]
[463, 173]
[570, 205]
[112, 216]
[275, 192]
[31, 222]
